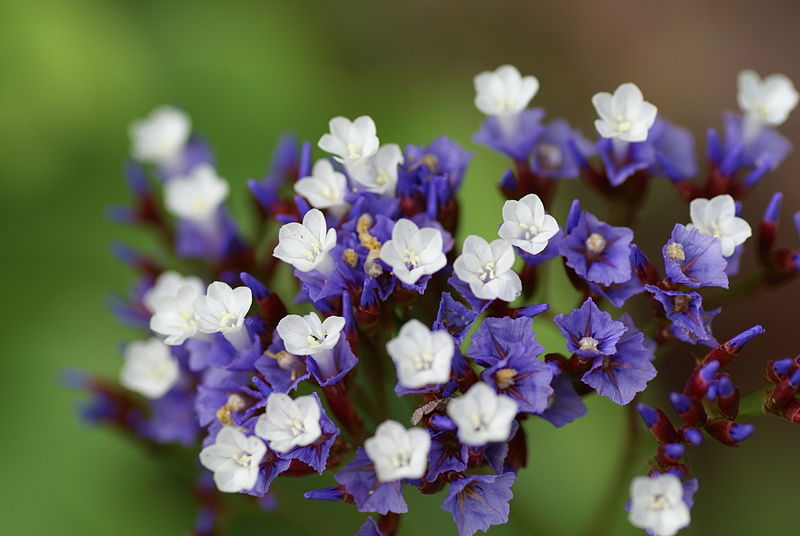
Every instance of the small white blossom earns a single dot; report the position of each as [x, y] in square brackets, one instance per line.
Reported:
[625, 115]
[504, 92]
[234, 458]
[350, 141]
[378, 173]
[526, 224]
[325, 188]
[288, 422]
[174, 317]
[149, 368]
[657, 504]
[307, 335]
[398, 453]
[422, 356]
[222, 310]
[486, 268]
[161, 137]
[413, 252]
[167, 285]
[196, 196]
[768, 101]
[482, 416]
[306, 245]
[717, 217]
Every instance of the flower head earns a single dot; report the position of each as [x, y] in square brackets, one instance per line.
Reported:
[324, 188]
[486, 268]
[625, 115]
[378, 173]
[589, 331]
[398, 453]
[478, 502]
[167, 285]
[768, 101]
[717, 217]
[234, 458]
[694, 259]
[350, 142]
[161, 137]
[308, 335]
[149, 368]
[413, 252]
[196, 196]
[174, 317]
[222, 309]
[482, 416]
[289, 423]
[306, 245]
[504, 92]
[597, 251]
[526, 224]
[657, 504]
[422, 356]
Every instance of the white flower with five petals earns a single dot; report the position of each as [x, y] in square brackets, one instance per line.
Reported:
[350, 141]
[288, 423]
[324, 188]
[167, 285]
[768, 101]
[306, 245]
[413, 252]
[378, 173]
[149, 368]
[222, 310]
[717, 217]
[307, 335]
[174, 317]
[526, 224]
[422, 356]
[234, 458]
[482, 416]
[161, 137]
[196, 196]
[504, 92]
[657, 504]
[625, 115]
[398, 453]
[486, 268]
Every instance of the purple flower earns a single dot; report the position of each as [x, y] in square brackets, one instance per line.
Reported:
[454, 317]
[694, 259]
[551, 155]
[522, 377]
[620, 376]
[767, 147]
[690, 322]
[434, 172]
[673, 148]
[597, 251]
[497, 337]
[565, 404]
[447, 453]
[589, 331]
[638, 156]
[359, 479]
[369, 528]
[515, 139]
[479, 501]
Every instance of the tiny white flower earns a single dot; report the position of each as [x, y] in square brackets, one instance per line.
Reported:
[657, 504]
[398, 453]
[149, 368]
[234, 458]
[482, 416]
[526, 224]
[288, 422]
[161, 137]
[504, 92]
[196, 196]
[307, 335]
[306, 245]
[717, 217]
[325, 188]
[378, 173]
[350, 141]
[768, 101]
[167, 285]
[222, 310]
[422, 356]
[486, 268]
[413, 252]
[625, 115]
[174, 317]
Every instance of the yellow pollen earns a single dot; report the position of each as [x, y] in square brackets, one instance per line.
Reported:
[589, 343]
[428, 160]
[505, 378]
[411, 259]
[530, 230]
[622, 124]
[350, 256]
[313, 253]
[423, 361]
[487, 273]
[295, 427]
[596, 243]
[353, 150]
[675, 252]
[243, 458]
[227, 320]
[362, 228]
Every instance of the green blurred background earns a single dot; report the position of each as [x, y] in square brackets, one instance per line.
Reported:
[76, 72]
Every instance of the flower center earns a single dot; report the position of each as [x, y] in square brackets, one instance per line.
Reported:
[530, 230]
[588, 343]
[550, 156]
[423, 361]
[353, 150]
[487, 273]
[401, 458]
[479, 422]
[312, 254]
[227, 320]
[243, 458]
[680, 304]
[505, 378]
[328, 193]
[622, 124]
[596, 243]
[411, 259]
[315, 339]
[658, 502]
[296, 427]
[675, 252]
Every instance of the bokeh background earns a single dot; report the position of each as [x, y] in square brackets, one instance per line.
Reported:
[74, 73]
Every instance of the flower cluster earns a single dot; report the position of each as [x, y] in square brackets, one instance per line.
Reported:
[389, 296]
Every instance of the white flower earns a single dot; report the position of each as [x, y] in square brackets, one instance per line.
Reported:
[234, 458]
[422, 356]
[768, 101]
[308, 335]
[174, 317]
[526, 224]
[413, 252]
[486, 268]
[167, 285]
[350, 141]
[196, 196]
[288, 422]
[325, 188]
[160, 138]
[149, 368]
[378, 173]
[657, 504]
[398, 453]
[625, 115]
[222, 310]
[306, 245]
[717, 218]
[482, 416]
[504, 92]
